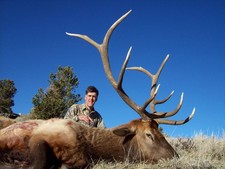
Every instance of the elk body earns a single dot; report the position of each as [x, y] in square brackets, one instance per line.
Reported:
[54, 142]
[44, 144]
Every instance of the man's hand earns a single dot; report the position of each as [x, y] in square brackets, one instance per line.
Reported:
[85, 118]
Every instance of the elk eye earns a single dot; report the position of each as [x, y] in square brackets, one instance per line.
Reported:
[149, 136]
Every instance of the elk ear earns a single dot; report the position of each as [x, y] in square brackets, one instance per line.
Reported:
[123, 131]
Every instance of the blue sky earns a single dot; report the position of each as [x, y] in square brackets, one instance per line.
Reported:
[33, 44]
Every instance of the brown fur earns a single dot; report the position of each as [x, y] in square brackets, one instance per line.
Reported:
[4, 122]
[58, 141]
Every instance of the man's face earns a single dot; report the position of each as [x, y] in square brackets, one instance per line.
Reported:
[90, 99]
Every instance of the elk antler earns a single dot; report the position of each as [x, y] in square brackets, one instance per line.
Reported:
[141, 110]
[154, 102]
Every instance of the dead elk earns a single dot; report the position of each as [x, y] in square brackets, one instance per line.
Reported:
[57, 141]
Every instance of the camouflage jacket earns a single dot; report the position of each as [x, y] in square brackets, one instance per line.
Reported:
[80, 109]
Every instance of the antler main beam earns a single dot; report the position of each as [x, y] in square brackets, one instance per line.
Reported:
[141, 110]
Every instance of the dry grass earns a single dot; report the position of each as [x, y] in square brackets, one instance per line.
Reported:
[200, 152]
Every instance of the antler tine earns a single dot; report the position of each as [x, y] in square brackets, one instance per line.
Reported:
[141, 69]
[164, 100]
[175, 122]
[84, 37]
[169, 114]
[147, 102]
[122, 71]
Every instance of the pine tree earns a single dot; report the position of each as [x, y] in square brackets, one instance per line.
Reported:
[7, 92]
[59, 95]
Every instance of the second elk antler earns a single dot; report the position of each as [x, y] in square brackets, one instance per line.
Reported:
[117, 85]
